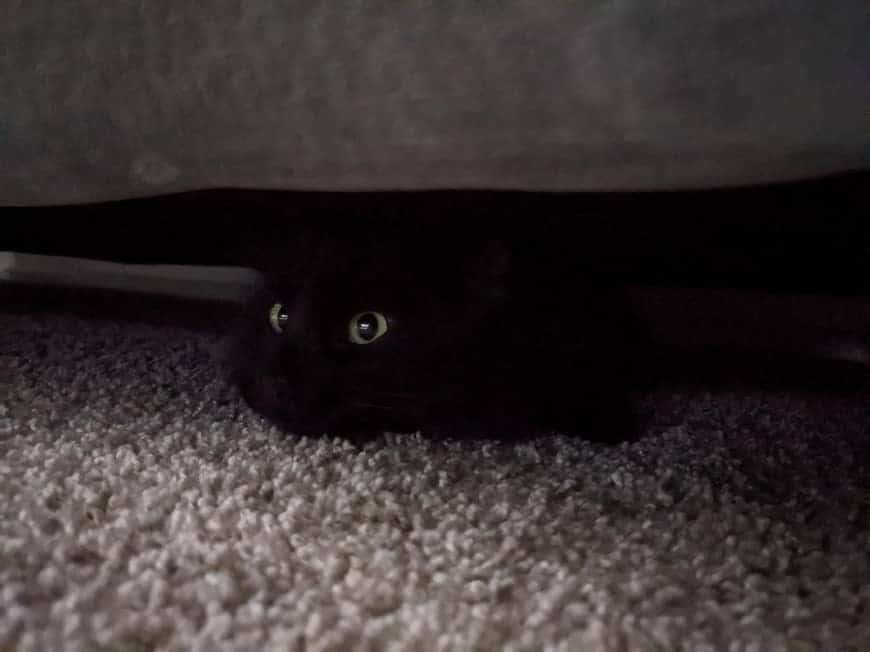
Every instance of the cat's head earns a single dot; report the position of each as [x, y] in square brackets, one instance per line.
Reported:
[367, 333]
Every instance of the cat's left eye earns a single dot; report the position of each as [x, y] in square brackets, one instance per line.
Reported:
[366, 327]
[278, 317]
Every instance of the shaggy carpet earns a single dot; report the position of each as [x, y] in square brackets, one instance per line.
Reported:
[144, 507]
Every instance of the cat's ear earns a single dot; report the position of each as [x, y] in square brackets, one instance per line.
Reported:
[488, 271]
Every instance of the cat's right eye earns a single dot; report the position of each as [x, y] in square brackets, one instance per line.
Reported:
[366, 327]
[278, 317]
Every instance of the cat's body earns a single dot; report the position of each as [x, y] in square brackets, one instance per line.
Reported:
[497, 328]
[493, 332]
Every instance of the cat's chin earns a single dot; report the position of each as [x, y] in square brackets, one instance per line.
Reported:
[600, 420]
[360, 429]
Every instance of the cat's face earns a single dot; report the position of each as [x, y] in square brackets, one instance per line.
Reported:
[373, 333]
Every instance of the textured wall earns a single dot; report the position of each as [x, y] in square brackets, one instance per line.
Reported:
[107, 100]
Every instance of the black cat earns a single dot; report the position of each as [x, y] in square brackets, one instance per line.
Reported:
[406, 325]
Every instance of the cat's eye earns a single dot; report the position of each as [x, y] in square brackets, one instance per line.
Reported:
[278, 317]
[366, 327]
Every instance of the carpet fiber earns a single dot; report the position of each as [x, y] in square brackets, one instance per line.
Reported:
[144, 507]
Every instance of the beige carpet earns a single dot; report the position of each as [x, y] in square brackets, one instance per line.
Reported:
[144, 507]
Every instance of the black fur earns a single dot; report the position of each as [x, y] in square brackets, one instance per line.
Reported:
[491, 331]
